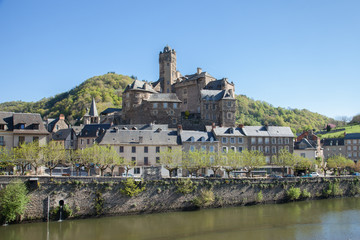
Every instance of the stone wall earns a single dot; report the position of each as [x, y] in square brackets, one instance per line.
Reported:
[162, 195]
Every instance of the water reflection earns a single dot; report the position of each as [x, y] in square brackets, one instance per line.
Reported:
[323, 219]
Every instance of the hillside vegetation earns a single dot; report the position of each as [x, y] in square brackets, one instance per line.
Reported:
[107, 91]
[339, 131]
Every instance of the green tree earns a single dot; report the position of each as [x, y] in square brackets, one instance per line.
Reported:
[6, 160]
[31, 152]
[13, 201]
[171, 160]
[128, 164]
[338, 163]
[53, 154]
[233, 161]
[252, 160]
[115, 160]
[216, 161]
[193, 161]
[285, 159]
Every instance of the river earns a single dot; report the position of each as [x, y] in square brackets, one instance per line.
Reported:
[322, 219]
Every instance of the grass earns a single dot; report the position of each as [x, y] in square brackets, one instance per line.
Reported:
[348, 129]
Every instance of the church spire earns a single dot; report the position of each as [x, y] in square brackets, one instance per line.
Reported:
[93, 111]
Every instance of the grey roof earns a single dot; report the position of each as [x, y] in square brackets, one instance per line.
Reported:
[110, 110]
[30, 120]
[140, 85]
[197, 135]
[62, 134]
[333, 141]
[147, 137]
[228, 131]
[269, 131]
[196, 76]
[142, 126]
[215, 95]
[93, 111]
[304, 144]
[217, 84]
[6, 118]
[163, 97]
[93, 130]
[352, 136]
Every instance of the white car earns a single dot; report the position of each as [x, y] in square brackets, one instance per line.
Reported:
[314, 174]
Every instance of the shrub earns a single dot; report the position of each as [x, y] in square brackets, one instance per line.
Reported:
[205, 198]
[333, 189]
[66, 212]
[293, 193]
[13, 201]
[131, 188]
[99, 202]
[305, 194]
[185, 186]
[259, 197]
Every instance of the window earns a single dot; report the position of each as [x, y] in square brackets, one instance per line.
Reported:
[240, 140]
[146, 161]
[229, 115]
[267, 149]
[273, 140]
[233, 148]
[36, 126]
[349, 148]
[133, 159]
[2, 142]
[354, 141]
[2, 126]
[211, 149]
[146, 149]
[185, 101]
[302, 154]
[354, 148]
[240, 149]
[22, 125]
[287, 141]
[253, 140]
[137, 170]
[81, 141]
[87, 141]
[35, 139]
[174, 105]
[192, 139]
[155, 105]
[192, 148]
[280, 141]
[260, 148]
[207, 116]
[229, 104]
[133, 149]
[355, 154]
[211, 139]
[121, 149]
[260, 140]
[273, 149]
[214, 106]
[185, 91]
[206, 106]
[165, 105]
[266, 140]
[287, 148]
[157, 159]
[253, 148]
[349, 155]
[349, 141]
[157, 149]
[224, 140]
[202, 139]
[203, 148]
[232, 140]
[225, 149]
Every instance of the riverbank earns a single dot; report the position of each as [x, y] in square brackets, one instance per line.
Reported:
[86, 197]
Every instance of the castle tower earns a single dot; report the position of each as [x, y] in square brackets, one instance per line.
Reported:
[167, 67]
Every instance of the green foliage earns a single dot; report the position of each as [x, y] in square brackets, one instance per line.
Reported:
[259, 197]
[185, 186]
[333, 189]
[305, 194]
[132, 188]
[205, 198]
[251, 112]
[99, 203]
[66, 213]
[13, 201]
[106, 89]
[293, 193]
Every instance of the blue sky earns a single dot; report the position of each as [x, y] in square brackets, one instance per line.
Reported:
[297, 54]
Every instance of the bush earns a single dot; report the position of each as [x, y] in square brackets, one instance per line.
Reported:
[185, 186]
[131, 188]
[259, 197]
[305, 194]
[293, 193]
[333, 189]
[67, 212]
[205, 198]
[99, 202]
[13, 201]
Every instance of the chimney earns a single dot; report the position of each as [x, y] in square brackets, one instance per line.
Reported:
[241, 126]
[177, 74]
[199, 70]
[213, 126]
[179, 129]
[62, 117]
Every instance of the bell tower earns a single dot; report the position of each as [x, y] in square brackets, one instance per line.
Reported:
[167, 69]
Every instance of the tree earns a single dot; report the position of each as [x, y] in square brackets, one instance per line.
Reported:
[285, 159]
[233, 160]
[303, 163]
[171, 160]
[323, 165]
[31, 152]
[339, 163]
[128, 164]
[101, 156]
[6, 158]
[76, 159]
[19, 158]
[13, 200]
[252, 160]
[194, 161]
[216, 161]
[53, 154]
[115, 160]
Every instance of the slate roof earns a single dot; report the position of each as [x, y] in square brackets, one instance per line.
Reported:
[352, 136]
[226, 131]
[6, 118]
[270, 131]
[146, 137]
[110, 110]
[163, 97]
[93, 110]
[139, 85]
[196, 75]
[30, 120]
[93, 130]
[217, 84]
[333, 141]
[62, 134]
[304, 142]
[215, 95]
[142, 127]
[186, 136]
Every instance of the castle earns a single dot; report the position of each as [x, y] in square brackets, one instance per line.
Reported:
[192, 100]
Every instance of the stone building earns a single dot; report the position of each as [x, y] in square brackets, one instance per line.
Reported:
[308, 145]
[333, 146]
[352, 145]
[92, 116]
[192, 100]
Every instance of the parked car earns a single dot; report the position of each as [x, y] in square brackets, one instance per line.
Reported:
[128, 175]
[274, 176]
[314, 174]
[306, 175]
[355, 174]
[290, 175]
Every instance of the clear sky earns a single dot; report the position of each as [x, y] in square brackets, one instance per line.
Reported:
[297, 54]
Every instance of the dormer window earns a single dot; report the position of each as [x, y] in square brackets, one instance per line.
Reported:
[202, 139]
[192, 139]
[211, 139]
[2, 126]
[22, 126]
[36, 126]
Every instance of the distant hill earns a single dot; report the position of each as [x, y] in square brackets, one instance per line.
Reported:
[107, 91]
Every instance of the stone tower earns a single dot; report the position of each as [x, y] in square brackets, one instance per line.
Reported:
[167, 67]
[92, 116]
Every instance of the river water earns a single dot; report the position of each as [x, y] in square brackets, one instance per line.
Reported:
[322, 219]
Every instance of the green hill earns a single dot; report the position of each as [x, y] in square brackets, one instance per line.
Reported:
[339, 131]
[107, 91]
